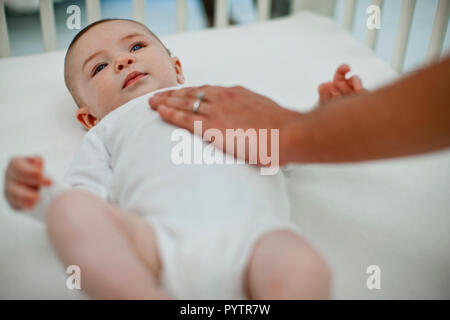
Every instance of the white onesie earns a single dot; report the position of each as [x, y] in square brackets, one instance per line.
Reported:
[207, 218]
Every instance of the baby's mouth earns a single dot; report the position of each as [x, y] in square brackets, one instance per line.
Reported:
[132, 78]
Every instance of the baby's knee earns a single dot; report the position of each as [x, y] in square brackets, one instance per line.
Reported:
[307, 279]
[65, 209]
[302, 273]
[321, 276]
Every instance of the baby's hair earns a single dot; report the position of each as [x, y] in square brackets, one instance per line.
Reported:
[67, 79]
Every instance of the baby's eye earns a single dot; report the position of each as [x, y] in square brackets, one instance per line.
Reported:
[99, 68]
[136, 47]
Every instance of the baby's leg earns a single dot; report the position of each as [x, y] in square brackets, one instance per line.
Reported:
[285, 266]
[116, 251]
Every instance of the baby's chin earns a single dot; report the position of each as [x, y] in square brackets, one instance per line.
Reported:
[132, 94]
[136, 91]
[146, 87]
[141, 90]
[143, 86]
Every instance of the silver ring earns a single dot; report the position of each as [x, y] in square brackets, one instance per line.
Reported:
[200, 96]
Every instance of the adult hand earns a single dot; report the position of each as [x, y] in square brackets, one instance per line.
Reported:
[225, 108]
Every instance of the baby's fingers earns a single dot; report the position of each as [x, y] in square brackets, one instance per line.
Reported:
[356, 83]
[21, 196]
[343, 87]
[38, 162]
[341, 72]
[327, 91]
[27, 171]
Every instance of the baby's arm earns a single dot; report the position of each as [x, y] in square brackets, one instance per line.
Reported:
[28, 190]
[90, 168]
[115, 250]
[340, 86]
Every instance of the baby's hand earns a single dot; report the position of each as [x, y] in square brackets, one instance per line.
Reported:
[23, 180]
[340, 86]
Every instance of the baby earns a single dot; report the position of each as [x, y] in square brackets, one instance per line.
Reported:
[141, 227]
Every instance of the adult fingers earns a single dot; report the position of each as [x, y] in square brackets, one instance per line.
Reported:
[157, 99]
[341, 72]
[184, 103]
[210, 93]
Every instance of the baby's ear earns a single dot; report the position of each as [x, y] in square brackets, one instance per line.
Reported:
[178, 69]
[86, 118]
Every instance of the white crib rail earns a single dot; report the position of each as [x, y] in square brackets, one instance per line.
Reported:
[264, 9]
[372, 34]
[181, 15]
[221, 18]
[4, 41]
[349, 14]
[439, 29]
[48, 24]
[404, 30]
[221, 14]
[139, 10]
[93, 10]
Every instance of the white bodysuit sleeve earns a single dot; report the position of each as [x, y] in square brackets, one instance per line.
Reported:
[90, 170]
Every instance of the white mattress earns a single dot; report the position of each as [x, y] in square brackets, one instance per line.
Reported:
[394, 214]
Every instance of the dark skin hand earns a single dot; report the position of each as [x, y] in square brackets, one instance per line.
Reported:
[410, 116]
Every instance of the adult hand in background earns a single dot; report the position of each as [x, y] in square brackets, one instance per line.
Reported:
[225, 108]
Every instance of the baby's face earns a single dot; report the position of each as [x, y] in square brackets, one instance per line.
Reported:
[117, 61]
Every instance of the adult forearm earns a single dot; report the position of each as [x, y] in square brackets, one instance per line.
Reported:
[408, 117]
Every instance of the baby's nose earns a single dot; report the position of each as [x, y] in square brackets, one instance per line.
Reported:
[123, 62]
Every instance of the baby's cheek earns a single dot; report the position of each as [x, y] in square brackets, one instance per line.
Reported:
[107, 92]
[98, 101]
[170, 79]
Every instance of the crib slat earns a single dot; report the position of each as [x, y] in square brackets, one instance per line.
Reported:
[371, 36]
[139, 10]
[404, 30]
[4, 40]
[349, 14]
[439, 29]
[264, 9]
[181, 15]
[48, 24]
[221, 13]
[93, 10]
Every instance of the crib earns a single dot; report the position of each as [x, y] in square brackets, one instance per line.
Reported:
[221, 19]
[393, 214]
